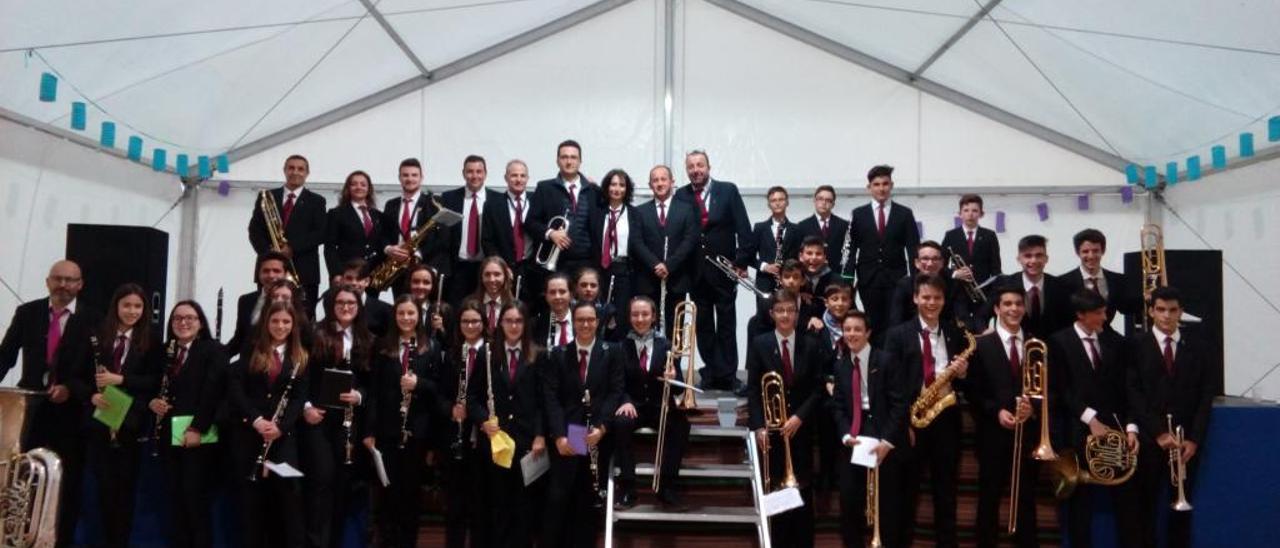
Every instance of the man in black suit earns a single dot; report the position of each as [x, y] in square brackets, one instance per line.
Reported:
[405, 215]
[798, 357]
[302, 214]
[925, 347]
[1048, 302]
[773, 241]
[725, 231]
[502, 231]
[998, 407]
[868, 401]
[53, 335]
[465, 241]
[980, 249]
[572, 196]
[269, 268]
[666, 238]
[1174, 376]
[928, 261]
[884, 241]
[1089, 369]
[830, 227]
[1091, 245]
[571, 371]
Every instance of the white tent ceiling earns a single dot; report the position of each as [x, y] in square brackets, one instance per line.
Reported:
[1143, 81]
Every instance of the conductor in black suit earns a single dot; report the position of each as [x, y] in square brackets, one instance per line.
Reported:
[667, 238]
[405, 215]
[303, 215]
[53, 335]
[502, 231]
[980, 249]
[826, 224]
[1174, 375]
[1048, 301]
[465, 241]
[353, 229]
[1091, 245]
[725, 230]
[773, 241]
[572, 196]
[884, 241]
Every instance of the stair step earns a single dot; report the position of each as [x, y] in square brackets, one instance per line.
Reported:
[697, 514]
[697, 470]
[705, 431]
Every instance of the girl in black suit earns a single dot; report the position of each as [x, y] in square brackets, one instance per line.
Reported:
[401, 374]
[433, 312]
[463, 465]
[276, 368]
[328, 436]
[192, 384]
[353, 229]
[493, 291]
[129, 361]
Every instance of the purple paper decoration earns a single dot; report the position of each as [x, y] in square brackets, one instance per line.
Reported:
[1000, 222]
[1082, 202]
[920, 228]
[1126, 194]
[1042, 209]
[958, 221]
[224, 188]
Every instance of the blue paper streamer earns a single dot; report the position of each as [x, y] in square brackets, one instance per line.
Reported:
[224, 164]
[108, 138]
[1082, 202]
[1219, 157]
[203, 167]
[158, 159]
[1273, 129]
[183, 165]
[1126, 194]
[1151, 177]
[1171, 172]
[1246, 145]
[1193, 168]
[78, 116]
[135, 148]
[1000, 222]
[48, 88]
[1131, 174]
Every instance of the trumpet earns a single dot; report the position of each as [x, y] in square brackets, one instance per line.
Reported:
[275, 230]
[775, 415]
[548, 253]
[406, 396]
[1177, 468]
[683, 343]
[937, 397]
[726, 266]
[1153, 270]
[260, 463]
[873, 505]
[1035, 385]
[971, 289]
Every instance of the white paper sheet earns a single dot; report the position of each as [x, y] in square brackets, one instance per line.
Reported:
[533, 467]
[781, 500]
[379, 466]
[283, 469]
[864, 452]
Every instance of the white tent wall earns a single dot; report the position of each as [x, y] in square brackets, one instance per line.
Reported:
[47, 182]
[1238, 212]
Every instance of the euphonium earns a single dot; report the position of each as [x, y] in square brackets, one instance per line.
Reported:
[1177, 468]
[275, 230]
[31, 481]
[547, 259]
[937, 397]
[1153, 271]
[774, 394]
[683, 341]
[1107, 459]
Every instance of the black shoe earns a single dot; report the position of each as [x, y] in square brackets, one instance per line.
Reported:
[739, 388]
[626, 502]
[671, 502]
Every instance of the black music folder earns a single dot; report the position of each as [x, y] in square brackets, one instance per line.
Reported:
[333, 383]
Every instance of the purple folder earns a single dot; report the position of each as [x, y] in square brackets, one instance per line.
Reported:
[577, 435]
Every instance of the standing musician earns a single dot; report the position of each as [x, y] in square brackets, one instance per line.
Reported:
[572, 196]
[1048, 301]
[791, 279]
[823, 223]
[798, 357]
[402, 390]
[979, 248]
[667, 233]
[998, 406]
[353, 229]
[510, 381]
[302, 216]
[269, 268]
[464, 464]
[502, 229]
[772, 241]
[883, 242]
[556, 326]
[432, 311]
[1091, 245]
[868, 401]
[53, 335]
[585, 364]
[125, 358]
[644, 360]
[192, 385]
[1089, 372]
[329, 436]
[613, 231]
[925, 346]
[725, 230]
[929, 260]
[465, 249]
[407, 213]
[1174, 374]
[266, 391]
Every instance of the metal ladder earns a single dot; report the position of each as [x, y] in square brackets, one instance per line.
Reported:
[750, 470]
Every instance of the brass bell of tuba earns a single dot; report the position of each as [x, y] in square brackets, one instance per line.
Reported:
[31, 480]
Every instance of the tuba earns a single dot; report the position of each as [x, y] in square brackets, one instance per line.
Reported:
[937, 397]
[1107, 462]
[275, 230]
[1153, 271]
[31, 480]
[548, 253]
[774, 393]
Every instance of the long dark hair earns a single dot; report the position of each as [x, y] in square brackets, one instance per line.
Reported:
[527, 349]
[344, 197]
[504, 295]
[203, 333]
[262, 347]
[604, 187]
[140, 340]
[389, 345]
[329, 335]
[474, 306]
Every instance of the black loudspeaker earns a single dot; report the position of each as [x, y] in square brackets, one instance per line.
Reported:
[112, 255]
[1198, 276]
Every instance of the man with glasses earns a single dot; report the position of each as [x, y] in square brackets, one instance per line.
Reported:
[53, 335]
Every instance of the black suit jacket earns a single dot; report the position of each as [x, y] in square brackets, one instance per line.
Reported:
[1055, 300]
[550, 199]
[496, 236]
[197, 387]
[902, 342]
[726, 233]
[1078, 386]
[239, 342]
[382, 414]
[599, 217]
[141, 371]
[985, 259]
[837, 228]
[457, 200]
[887, 418]
[434, 250]
[379, 316]
[252, 395]
[643, 381]
[29, 332]
[518, 406]
[992, 385]
[681, 237]
[305, 231]
[563, 390]
[1120, 297]
[903, 305]
[763, 248]
[1187, 394]
[345, 239]
[804, 394]
[877, 261]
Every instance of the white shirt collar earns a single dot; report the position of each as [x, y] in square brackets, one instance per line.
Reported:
[509, 348]
[128, 333]
[864, 355]
[70, 308]
[888, 205]
[791, 339]
[413, 198]
[932, 330]
[1161, 336]
[1005, 334]
[588, 347]
[1028, 284]
[1086, 275]
[476, 345]
[285, 192]
[516, 197]
[279, 349]
[1080, 332]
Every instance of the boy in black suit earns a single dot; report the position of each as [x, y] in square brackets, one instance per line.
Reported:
[1091, 245]
[929, 260]
[772, 241]
[405, 215]
[269, 268]
[980, 249]
[831, 228]
[1048, 302]
[884, 241]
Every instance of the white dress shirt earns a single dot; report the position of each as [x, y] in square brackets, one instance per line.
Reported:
[470, 197]
[622, 231]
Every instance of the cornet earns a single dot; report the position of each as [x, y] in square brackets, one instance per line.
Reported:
[548, 253]
[971, 289]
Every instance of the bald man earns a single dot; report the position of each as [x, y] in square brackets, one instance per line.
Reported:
[53, 334]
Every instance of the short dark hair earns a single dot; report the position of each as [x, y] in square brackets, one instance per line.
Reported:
[813, 240]
[790, 264]
[1089, 235]
[472, 158]
[880, 171]
[359, 265]
[1086, 300]
[1009, 288]
[1166, 293]
[782, 296]
[827, 188]
[626, 180]
[930, 244]
[970, 199]
[298, 157]
[410, 162]
[838, 286]
[777, 188]
[932, 280]
[568, 143]
[271, 255]
[1032, 240]
[858, 314]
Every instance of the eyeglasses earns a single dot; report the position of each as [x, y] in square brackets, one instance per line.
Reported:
[339, 304]
[186, 319]
[589, 319]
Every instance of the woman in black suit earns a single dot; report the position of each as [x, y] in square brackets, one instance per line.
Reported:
[125, 357]
[192, 384]
[276, 368]
[401, 375]
[493, 291]
[352, 230]
[613, 227]
[328, 436]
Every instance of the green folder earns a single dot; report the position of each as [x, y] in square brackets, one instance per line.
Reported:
[119, 401]
[180, 425]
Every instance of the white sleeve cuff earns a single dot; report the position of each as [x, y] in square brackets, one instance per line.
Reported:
[359, 397]
[762, 265]
[1088, 415]
[307, 405]
[1131, 427]
[845, 439]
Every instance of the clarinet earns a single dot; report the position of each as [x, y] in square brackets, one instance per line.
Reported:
[99, 368]
[460, 399]
[217, 323]
[406, 396]
[169, 352]
[662, 293]
[348, 417]
[260, 463]
[593, 453]
[846, 250]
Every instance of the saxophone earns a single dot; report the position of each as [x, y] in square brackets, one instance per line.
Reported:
[937, 397]
[275, 229]
[386, 273]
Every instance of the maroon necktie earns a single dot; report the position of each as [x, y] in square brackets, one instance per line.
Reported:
[582, 365]
[1014, 361]
[273, 373]
[517, 232]
[404, 359]
[405, 218]
[880, 222]
[473, 228]
[471, 360]
[926, 355]
[1093, 354]
[493, 315]
[1033, 302]
[610, 240]
[117, 353]
[662, 215]
[179, 361]
[368, 222]
[826, 230]
[856, 391]
[564, 332]
[787, 371]
[513, 364]
[644, 358]
[573, 198]
[1168, 355]
[54, 336]
[288, 209]
[702, 205]
[970, 242]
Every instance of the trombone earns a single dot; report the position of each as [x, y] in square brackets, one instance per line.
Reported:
[683, 343]
[775, 415]
[1153, 270]
[726, 266]
[1035, 385]
[548, 253]
[1177, 467]
[873, 505]
[275, 230]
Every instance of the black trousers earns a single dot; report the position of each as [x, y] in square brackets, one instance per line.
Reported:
[620, 447]
[115, 467]
[854, 530]
[329, 485]
[717, 333]
[794, 528]
[400, 503]
[876, 301]
[464, 491]
[508, 515]
[1080, 511]
[271, 512]
[995, 461]
[571, 520]
[1155, 492]
[190, 494]
[937, 450]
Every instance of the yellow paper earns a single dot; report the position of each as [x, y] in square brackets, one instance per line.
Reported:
[502, 446]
